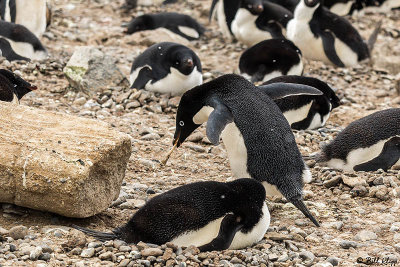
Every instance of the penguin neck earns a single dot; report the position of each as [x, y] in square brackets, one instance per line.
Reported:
[303, 12]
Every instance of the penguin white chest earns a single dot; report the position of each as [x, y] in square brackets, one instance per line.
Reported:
[222, 20]
[296, 115]
[237, 152]
[244, 28]
[32, 14]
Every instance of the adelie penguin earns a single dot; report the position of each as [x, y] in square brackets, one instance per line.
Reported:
[22, 41]
[367, 144]
[209, 215]
[180, 24]
[269, 59]
[306, 112]
[166, 68]
[13, 87]
[251, 21]
[257, 137]
[322, 35]
[7, 51]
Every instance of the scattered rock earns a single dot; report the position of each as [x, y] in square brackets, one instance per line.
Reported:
[18, 232]
[151, 252]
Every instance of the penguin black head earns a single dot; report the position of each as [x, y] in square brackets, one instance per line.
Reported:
[141, 23]
[181, 58]
[312, 3]
[254, 6]
[21, 87]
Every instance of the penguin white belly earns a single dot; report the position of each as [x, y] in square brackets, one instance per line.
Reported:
[341, 9]
[189, 31]
[272, 190]
[357, 156]
[244, 28]
[296, 115]
[318, 122]
[344, 52]
[7, 14]
[296, 69]
[222, 20]
[26, 50]
[32, 14]
[272, 75]
[299, 32]
[175, 82]
[237, 152]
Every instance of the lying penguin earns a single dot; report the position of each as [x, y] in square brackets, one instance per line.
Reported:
[13, 87]
[166, 68]
[269, 59]
[32, 14]
[367, 144]
[251, 21]
[257, 137]
[322, 35]
[306, 112]
[180, 24]
[22, 41]
[209, 215]
[7, 51]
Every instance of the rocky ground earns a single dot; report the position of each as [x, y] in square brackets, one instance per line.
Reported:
[359, 212]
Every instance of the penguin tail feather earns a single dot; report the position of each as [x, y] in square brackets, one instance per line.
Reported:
[298, 203]
[102, 236]
[372, 38]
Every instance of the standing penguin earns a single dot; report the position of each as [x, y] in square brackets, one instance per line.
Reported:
[269, 59]
[13, 87]
[166, 68]
[251, 21]
[22, 41]
[210, 215]
[306, 112]
[367, 144]
[322, 35]
[7, 51]
[257, 136]
[30, 13]
[181, 24]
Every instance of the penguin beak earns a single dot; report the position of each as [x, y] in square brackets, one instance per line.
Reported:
[32, 87]
[176, 141]
[298, 203]
[257, 9]
[188, 62]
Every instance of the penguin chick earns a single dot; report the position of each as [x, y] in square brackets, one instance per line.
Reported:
[8, 52]
[166, 68]
[257, 137]
[367, 144]
[306, 112]
[210, 215]
[181, 24]
[322, 35]
[13, 87]
[22, 41]
[251, 21]
[269, 59]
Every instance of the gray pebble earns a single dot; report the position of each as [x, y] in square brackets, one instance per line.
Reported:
[124, 263]
[125, 249]
[35, 253]
[307, 256]
[87, 253]
[348, 244]
[18, 232]
[45, 256]
[365, 235]
[95, 244]
[333, 260]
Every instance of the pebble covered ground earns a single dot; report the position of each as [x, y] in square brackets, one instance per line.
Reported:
[359, 212]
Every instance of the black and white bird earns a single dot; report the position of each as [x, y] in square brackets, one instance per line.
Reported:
[22, 41]
[340, 7]
[13, 87]
[209, 215]
[288, 4]
[269, 59]
[166, 68]
[251, 21]
[306, 112]
[180, 24]
[257, 137]
[7, 51]
[322, 35]
[367, 144]
[32, 14]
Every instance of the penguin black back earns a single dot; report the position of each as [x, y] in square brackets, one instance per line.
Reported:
[181, 24]
[11, 86]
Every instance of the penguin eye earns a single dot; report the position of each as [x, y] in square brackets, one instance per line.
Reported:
[15, 85]
[181, 123]
[177, 63]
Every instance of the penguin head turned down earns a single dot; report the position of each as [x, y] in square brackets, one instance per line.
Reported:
[141, 23]
[21, 87]
[254, 6]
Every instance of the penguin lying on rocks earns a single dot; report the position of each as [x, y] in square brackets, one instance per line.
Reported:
[367, 144]
[166, 68]
[13, 87]
[7, 51]
[180, 24]
[251, 21]
[22, 41]
[269, 59]
[209, 215]
[322, 35]
[258, 138]
[306, 112]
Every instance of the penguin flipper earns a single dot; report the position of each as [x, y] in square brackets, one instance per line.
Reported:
[227, 231]
[217, 121]
[328, 42]
[282, 90]
[98, 235]
[145, 75]
[385, 160]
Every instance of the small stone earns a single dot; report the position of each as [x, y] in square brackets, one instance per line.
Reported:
[45, 256]
[195, 137]
[18, 232]
[125, 249]
[348, 244]
[353, 181]
[3, 231]
[106, 255]
[397, 247]
[174, 102]
[80, 101]
[95, 244]
[283, 258]
[152, 252]
[273, 257]
[118, 243]
[332, 182]
[365, 235]
[359, 191]
[124, 263]
[323, 264]
[35, 253]
[333, 260]
[87, 253]
[307, 256]
[278, 236]
[396, 238]
[76, 251]
[196, 148]
[150, 137]
[236, 260]
[133, 104]
[76, 239]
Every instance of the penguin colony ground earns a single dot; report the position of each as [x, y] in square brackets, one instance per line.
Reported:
[330, 104]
